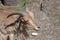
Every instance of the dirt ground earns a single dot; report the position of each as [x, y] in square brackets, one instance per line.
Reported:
[48, 19]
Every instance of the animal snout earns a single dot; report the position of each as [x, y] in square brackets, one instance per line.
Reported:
[37, 28]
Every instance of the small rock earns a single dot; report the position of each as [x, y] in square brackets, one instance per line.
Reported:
[34, 34]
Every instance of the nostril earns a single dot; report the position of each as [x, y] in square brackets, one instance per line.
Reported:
[38, 27]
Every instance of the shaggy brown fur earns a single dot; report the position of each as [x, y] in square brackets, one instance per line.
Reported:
[24, 21]
[4, 21]
[9, 19]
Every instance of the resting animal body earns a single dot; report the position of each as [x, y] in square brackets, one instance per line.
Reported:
[9, 18]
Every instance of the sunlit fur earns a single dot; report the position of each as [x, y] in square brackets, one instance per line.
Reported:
[7, 21]
[28, 17]
[4, 21]
[25, 21]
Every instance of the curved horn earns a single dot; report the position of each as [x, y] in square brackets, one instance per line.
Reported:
[15, 14]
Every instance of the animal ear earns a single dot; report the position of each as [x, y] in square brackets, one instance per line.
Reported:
[30, 14]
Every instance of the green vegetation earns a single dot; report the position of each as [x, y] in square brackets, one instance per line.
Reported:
[19, 6]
